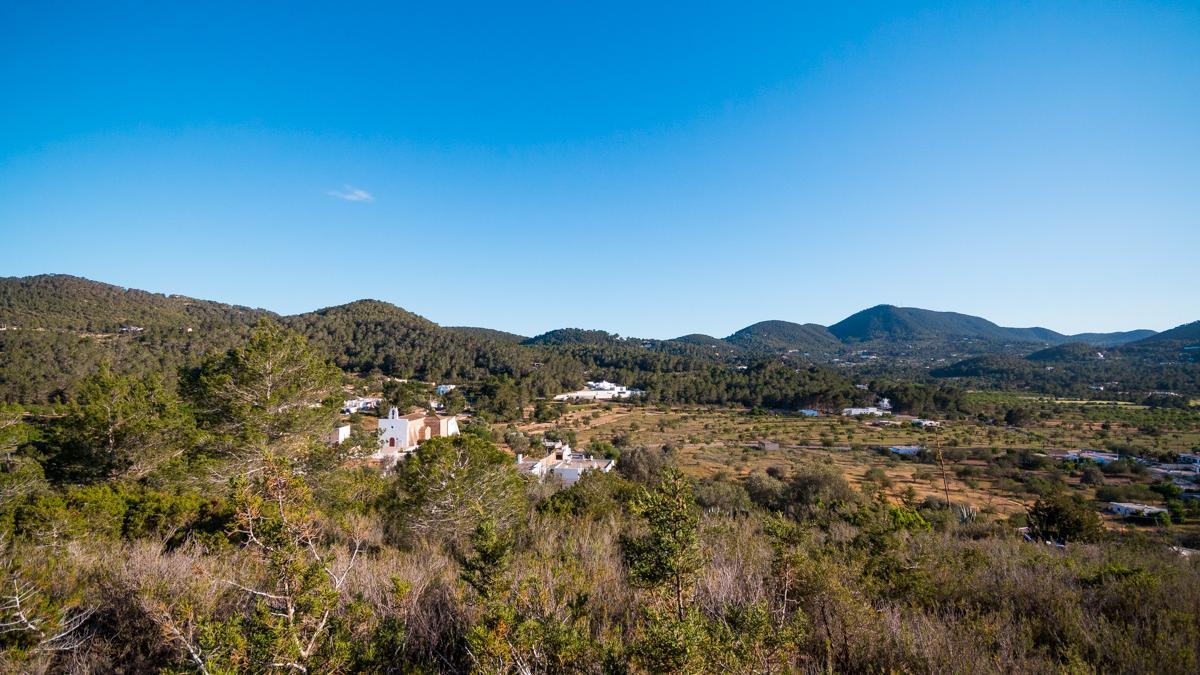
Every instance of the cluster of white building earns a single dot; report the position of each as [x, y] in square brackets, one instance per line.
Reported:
[360, 404]
[1183, 472]
[599, 391]
[562, 463]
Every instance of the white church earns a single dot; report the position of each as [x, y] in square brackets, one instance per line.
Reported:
[401, 434]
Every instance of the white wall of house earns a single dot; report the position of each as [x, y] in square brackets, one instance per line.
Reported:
[393, 434]
[339, 434]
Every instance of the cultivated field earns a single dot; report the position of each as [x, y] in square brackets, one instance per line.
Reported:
[994, 467]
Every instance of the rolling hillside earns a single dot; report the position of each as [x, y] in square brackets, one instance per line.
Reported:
[63, 302]
[1166, 362]
[1111, 339]
[572, 336]
[490, 334]
[888, 323]
[57, 328]
[374, 336]
[1069, 352]
[1187, 333]
[775, 336]
[717, 345]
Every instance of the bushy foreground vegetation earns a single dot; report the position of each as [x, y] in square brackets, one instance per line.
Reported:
[210, 531]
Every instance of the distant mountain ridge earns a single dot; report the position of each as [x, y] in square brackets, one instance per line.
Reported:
[884, 325]
[888, 322]
[73, 303]
[1188, 332]
[58, 327]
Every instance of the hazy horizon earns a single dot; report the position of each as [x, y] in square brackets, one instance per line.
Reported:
[643, 171]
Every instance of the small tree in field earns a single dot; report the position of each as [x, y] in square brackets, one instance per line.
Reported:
[484, 568]
[667, 557]
[1061, 518]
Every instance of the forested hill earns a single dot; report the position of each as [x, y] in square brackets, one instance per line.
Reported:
[573, 336]
[1111, 339]
[890, 323]
[1188, 333]
[899, 332]
[886, 322]
[372, 336]
[58, 328]
[62, 302]
[490, 334]
[770, 336]
[1166, 362]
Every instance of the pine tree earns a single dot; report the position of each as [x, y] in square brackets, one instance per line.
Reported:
[667, 557]
[273, 393]
[122, 426]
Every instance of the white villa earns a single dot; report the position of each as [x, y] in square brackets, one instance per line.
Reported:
[1093, 455]
[599, 391]
[563, 463]
[1127, 509]
[401, 434]
[854, 412]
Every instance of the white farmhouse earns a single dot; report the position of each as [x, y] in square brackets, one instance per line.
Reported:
[854, 412]
[563, 464]
[599, 391]
[1127, 509]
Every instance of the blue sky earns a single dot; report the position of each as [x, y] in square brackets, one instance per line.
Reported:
[652, 172]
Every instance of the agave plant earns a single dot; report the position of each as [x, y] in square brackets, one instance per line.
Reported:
[966, 514]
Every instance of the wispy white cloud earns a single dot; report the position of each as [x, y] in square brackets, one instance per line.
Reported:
[352, 194]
